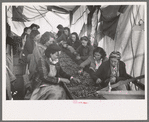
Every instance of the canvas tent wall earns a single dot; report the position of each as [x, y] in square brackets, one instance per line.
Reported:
[129, 40]
[79, 21]
[48, 17]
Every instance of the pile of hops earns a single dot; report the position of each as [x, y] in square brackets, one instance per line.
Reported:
[84, 89]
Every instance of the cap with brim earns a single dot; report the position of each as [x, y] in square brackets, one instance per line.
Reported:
[35, 25]
[60, 27]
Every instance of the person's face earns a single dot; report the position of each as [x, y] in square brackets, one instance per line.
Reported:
[66, 32]
[51, 40]
[73, 37]
[54, 56]
[34, 28]
[28, 31]
[97, 55]
[37, 38]
[113, 62]
[84, 43]
[61, 29]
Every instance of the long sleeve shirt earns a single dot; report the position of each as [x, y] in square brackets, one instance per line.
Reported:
[29, 46]
[44, 69]
[63, 37]
[104, 72]
[85, 52]
[91, 61]
[75, 44]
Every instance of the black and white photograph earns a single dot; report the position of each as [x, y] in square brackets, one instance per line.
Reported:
[74, 54]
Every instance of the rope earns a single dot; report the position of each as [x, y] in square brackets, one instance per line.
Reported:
[44, 18]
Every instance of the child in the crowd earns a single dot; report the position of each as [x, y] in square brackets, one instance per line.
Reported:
[93, 62]
[84, 51]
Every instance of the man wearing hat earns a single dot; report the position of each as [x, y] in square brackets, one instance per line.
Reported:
[111, 71]
[34, 26]
[61, 30]
[30, 44]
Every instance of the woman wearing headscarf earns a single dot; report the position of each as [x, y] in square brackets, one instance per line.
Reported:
[30, 44]
[111, 71]
[50, 75]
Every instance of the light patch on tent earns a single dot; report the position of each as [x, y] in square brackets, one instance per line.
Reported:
[79, 19]
[138, 28]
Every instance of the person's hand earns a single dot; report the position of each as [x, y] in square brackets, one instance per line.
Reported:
[109, 86]
[78, 57]
[61, 42]
[98, 81]
[75, 53]
[81, 65]
[76, 80]
[20, 49]
[28, 87]
[64, 80]
[64, 45]
[55, 35]
[80, 71]
[71, 49]
[113, 80]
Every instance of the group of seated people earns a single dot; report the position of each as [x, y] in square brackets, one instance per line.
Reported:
[41, 55]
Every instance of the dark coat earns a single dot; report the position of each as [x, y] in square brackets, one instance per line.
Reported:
[43, 70]
[85, 52]
[63, 37]
[75, 45]
[59, 33]
[29, 46]
[104, 72]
